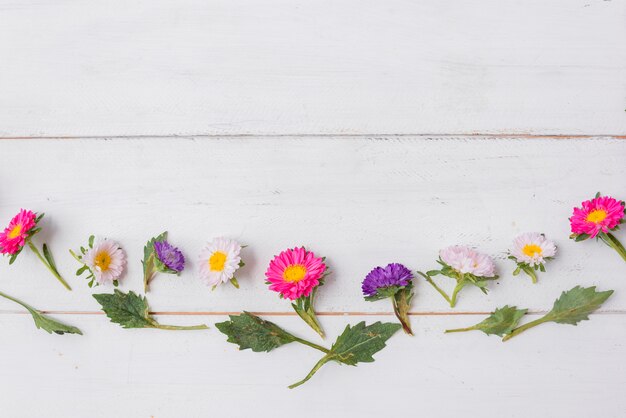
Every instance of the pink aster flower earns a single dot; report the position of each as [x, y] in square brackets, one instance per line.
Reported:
[19, 234]
[601, 214]
[465, 260]
[14, 236]
[597, 218]
[466, 266]
[295, 274]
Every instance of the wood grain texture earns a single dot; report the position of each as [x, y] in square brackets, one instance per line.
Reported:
[362, 202]
[93, 68]
[109, 371]
[368, 131]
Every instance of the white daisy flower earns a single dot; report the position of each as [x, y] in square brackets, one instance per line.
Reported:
[533, 248]
[106, 260]
[219, 260]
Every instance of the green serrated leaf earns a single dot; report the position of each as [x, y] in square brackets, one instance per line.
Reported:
[45, 322]
[501, 322]
[50, 325]
[357, 344]
[126, 309]
[576, 304]
[571, 307]
[131, 310]
[249, 331]
[149, 259]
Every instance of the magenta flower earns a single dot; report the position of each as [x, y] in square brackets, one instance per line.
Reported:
[19, 234]
[597, 218]
[14, 237]
[295, 274]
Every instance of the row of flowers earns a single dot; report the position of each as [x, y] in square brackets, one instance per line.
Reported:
[297, 273]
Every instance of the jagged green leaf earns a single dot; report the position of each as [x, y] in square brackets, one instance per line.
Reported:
[44, 322]
[576, 304]
[129, 310]
[249, 331]
[51, 325]
[499, 323]
[357, 344]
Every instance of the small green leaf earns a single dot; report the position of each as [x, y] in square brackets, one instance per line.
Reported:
[132, 311]
[50, 325]
[360, 342]
[249, 331]
[499, 323]
[384, 293]
[48, 256]
[357, 344]
[576, 304]
[91, 239]
[126, 309]
[45, 322]
[149, 259]
[571, 307]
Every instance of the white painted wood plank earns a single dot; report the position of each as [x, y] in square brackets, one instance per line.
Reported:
[282, 67]
[361, 202]
[559, 370]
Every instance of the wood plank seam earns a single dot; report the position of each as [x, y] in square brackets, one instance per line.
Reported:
[502, 135]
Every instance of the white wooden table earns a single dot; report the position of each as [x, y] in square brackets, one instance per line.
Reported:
[370, 132]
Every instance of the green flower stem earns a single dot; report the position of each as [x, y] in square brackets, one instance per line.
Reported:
[437, 288]
[401, 314]
[528, 270]
[455, 292]
[524, 327]
[304, 309]
[311, 373]
[180, 327]
[4, 295]
[149, 273]
[76, 257]
[610, 240]
[310, 318]
[310, 344]
[52, 270]
[460, 330]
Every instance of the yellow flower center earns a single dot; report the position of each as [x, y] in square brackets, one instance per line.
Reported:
[596, 216]
[102, 260]
[217, 261]
[16, 231]
[294, 273]
[531, 250]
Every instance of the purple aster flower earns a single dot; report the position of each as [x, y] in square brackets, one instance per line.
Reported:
[170, 256]
[395, 274]
[393, 282]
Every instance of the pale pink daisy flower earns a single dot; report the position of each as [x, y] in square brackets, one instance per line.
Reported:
[466, 266]
[532, 248]
[106, 260]
[466, 260]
